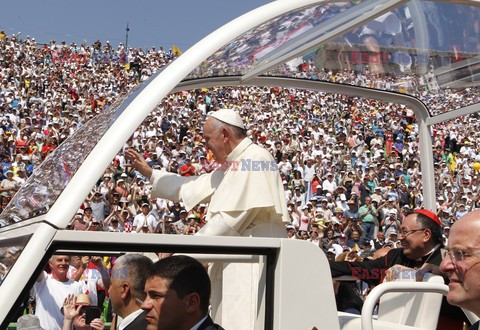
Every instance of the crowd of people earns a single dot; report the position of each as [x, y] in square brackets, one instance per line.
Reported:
[350, 166]
[336, 154]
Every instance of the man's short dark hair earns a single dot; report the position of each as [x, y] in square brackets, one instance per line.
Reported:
[426, 223]
[186, 275]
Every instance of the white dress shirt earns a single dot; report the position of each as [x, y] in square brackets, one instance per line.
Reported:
[196, 326]
[129, 319]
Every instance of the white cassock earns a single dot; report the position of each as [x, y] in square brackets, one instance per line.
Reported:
[245, 199]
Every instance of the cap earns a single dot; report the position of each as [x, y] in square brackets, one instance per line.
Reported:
[429, 214]
[228, 116]
[145, 204]
[191, 216]
[331, 250]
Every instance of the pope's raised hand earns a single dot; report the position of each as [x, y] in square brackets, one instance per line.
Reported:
[139, 163]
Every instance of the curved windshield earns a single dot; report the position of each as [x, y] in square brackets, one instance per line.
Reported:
[47, 182]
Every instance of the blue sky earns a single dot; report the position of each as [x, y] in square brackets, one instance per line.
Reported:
[152, 23]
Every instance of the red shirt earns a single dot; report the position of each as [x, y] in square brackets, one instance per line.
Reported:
[186, 170]
[47, 149]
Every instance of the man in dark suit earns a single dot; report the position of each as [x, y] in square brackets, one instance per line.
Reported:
[177, 295]
[126, 290]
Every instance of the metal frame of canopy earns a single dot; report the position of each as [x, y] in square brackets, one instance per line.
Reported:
[162, 84]
[170, 78]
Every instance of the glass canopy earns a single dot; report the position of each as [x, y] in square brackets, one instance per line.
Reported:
[427, 49]
[48, 181]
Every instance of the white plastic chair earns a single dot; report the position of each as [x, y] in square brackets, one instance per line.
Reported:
[403, 304]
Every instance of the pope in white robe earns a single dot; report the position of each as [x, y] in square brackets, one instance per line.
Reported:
[246, 198]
